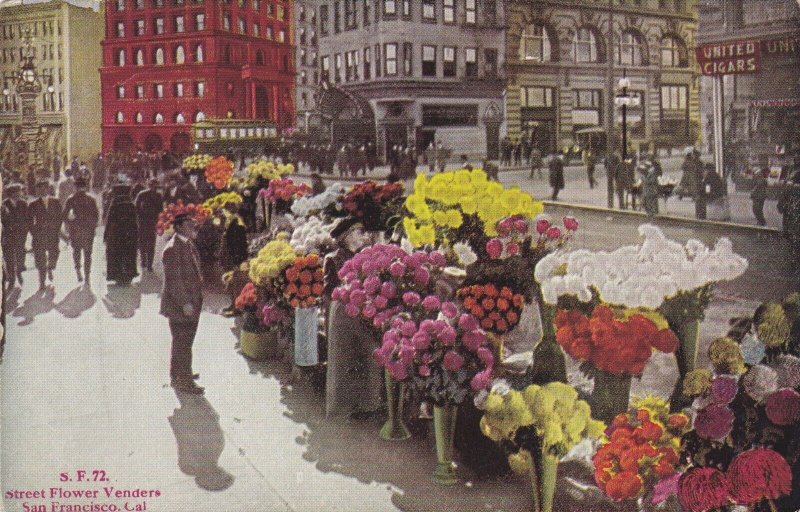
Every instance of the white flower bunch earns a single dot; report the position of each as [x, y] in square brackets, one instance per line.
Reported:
[306, 205]
[311, 235]
[638, 275]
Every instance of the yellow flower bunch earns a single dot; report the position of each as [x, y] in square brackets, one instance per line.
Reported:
[554, 411]
[220, 200]
[697, 382]
[271, 260]
[268, 170]
[442, 201]
[726, 356]
[773, 327]
[199, 161]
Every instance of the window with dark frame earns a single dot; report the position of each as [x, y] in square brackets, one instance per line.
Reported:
[428, 9]
[337, 17]
[470, 62]
[428, 60]
[449, 11]
[389, 7]
[367, 63]
[390, 58]
[470, 11]
[449, 61]
[323, 20]
[490, 62]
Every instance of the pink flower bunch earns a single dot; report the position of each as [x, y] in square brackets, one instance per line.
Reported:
[512, 231]
[436, 353]
[383, 280]
[272, 315]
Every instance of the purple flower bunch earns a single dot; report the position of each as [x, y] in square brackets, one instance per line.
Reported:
[436, 353]
[715, 420]
[383, 280]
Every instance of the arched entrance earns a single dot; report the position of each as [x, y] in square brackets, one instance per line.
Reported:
[124, 144]
[180, 143]
[348, 116]
[153, 142]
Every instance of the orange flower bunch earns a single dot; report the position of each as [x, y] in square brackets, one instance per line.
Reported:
[219, 172]
[497, 309]
[304, 281]
[642, 449]
[247, 297]
[167, 216]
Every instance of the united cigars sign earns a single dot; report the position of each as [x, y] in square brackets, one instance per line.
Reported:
[734, 58]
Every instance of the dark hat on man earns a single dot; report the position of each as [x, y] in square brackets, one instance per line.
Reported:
[81, 183]
[180, 219]
[121, 190]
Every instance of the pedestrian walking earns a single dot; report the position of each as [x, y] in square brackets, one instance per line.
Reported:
[591, 162]
[46, 218]
[66, 187]
[612, 164]
[182, 301]
[16, 223]
[81, 216]
[234, 253]
[650, 189]
[689, 176]
[121, 237]
[759, 195]
[623, 181]
[556, 175]
[536, 163]
[149, 203]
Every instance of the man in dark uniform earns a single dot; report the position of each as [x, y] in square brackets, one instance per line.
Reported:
[46, 217]
[182, 301]
[149, 204]
[16, 222]
[81, 215]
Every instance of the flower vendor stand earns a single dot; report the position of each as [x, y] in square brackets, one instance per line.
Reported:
[395, 428]
[444, 425]
[305, 336]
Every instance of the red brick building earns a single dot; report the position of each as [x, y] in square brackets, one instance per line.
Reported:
[170, 63]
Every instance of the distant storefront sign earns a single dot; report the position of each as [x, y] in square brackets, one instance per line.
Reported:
[743, 57]
[734, 58]
[785, 102]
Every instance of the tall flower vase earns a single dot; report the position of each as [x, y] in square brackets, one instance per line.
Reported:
[305, 336]
[610, 396]
[688, 333]
[549, 364]
[394, 429]
[444, 425]
[544, 473]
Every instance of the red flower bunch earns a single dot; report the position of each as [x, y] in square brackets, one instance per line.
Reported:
[247, 297]
[368, 196]
[497, 309]
[758, 474]
[703, 488]
[611, 343]
[284, 189]
[219, 172]
[640, 451]
[167, 216]
[304, 281]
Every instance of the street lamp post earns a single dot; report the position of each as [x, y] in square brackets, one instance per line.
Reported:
[625, 100]
[28, 86]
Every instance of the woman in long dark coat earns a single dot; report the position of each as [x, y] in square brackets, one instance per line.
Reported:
[121, 235]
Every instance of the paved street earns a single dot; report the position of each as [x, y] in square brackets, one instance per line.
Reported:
[85, 387]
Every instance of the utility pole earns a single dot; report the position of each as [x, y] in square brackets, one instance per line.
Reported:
[609, 102]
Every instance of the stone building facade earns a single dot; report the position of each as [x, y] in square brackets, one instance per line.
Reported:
[761, 107]
[306, 48]
[565, 58]
[66, 40]
[421, 71]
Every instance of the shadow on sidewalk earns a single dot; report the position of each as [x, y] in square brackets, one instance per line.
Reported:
[37, 304]
[77, 301]
[200, 441]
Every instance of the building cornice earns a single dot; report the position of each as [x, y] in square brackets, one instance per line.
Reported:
[600, 6]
